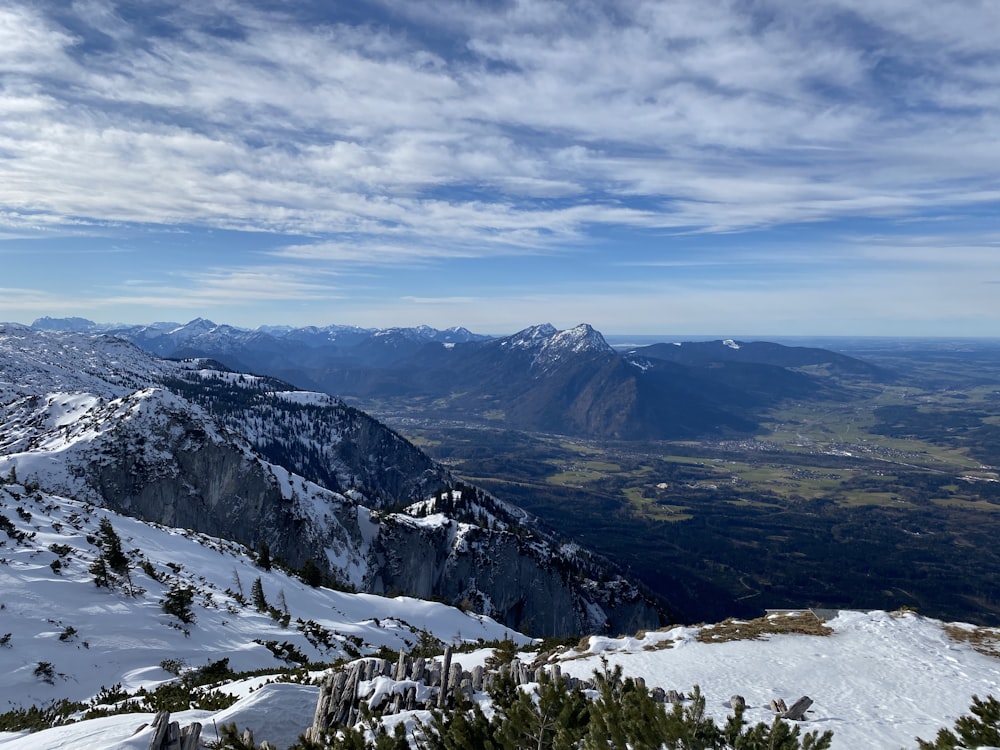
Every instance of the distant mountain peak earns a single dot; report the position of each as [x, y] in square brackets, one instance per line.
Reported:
[551, 344]
[532, 336]
[198, 324]
[63, 324]
[581, 338]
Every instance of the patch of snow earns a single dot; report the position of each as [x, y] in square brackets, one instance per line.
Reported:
[878, 682]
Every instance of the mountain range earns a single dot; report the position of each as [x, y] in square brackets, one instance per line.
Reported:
[539, 379]
[167, 520]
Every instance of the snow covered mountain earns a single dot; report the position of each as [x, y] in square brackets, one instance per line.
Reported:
[63, 637]
[877, 680]
[246, 458]
[202, 337]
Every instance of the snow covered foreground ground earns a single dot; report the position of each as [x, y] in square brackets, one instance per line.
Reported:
[879, 681]
[52, 613]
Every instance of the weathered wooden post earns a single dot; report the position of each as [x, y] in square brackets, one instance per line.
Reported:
[418, 668]
[400, 673]
[445, 670]
[191, 736]
[160, 723]
[455, 676]
[798, 709]
[168, 735]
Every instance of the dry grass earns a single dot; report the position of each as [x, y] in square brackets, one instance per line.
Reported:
[805, 623]
[984, 640]
[659, 645]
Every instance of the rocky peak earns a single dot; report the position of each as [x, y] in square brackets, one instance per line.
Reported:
[579, 339]
[196, 327]
[576, 341]
[530, 338]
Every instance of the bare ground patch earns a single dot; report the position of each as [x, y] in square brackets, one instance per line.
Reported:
[984, 640]
[805, 623]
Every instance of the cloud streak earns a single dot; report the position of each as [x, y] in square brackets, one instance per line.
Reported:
[288, 127]
[430, 133]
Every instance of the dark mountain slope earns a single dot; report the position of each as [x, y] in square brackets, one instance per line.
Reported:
[762, 353]
[572, 382]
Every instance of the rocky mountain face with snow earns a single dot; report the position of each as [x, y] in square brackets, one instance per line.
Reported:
[63, 637]
[282, 351]
[248, 458]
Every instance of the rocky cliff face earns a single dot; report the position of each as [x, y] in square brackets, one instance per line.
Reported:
[187, 445]
[508, 577]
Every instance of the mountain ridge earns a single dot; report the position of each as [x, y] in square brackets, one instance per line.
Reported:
[186, 445]
[538, 379]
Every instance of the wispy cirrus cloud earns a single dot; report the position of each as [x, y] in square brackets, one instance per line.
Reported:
[386, 134]
[293, 127]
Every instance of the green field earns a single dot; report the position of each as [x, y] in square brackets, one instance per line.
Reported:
[856, 502]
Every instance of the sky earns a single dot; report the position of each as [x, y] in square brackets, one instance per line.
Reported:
[742, 167]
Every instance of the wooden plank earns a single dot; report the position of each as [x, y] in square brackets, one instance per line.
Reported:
[160, 724]
[798, 709]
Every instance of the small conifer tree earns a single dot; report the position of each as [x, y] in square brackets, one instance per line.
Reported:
[112, 564]
[554, 717]
[981, 729]
[264, 555]
[178, 603]
[310, 573]
[257, 595]
[99, 569]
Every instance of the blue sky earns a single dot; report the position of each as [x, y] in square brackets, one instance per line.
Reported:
[744, 168]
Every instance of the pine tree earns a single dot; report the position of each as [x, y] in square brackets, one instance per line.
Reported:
[112, 563]
[111, 545]
[688, 728]
[624, 715]
[178, 603]
[779, 735]
[982, 729]
[264, 555]
[310, 573]
[554, 717]
[99, 569]
[257, 595]
[459, 730]
[502, 655]
[230, 738]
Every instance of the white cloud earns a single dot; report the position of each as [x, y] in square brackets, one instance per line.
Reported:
[530, 124]
[512, 129]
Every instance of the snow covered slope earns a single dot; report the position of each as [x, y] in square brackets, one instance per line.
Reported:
[248, 458]
[63, 637]
[880, 680]
[98, 636]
